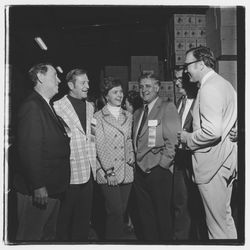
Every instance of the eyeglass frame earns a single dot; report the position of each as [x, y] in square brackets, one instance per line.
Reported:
[185, 65]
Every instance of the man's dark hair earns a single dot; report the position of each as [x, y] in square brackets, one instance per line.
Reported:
[38, 68]
[204, 54]
[72, 74]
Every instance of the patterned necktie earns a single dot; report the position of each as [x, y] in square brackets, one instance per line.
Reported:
[143, 120]
[184, 100]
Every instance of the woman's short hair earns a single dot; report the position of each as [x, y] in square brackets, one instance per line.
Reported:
[109, 83]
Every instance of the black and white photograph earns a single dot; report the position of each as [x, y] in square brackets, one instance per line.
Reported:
[124, 124]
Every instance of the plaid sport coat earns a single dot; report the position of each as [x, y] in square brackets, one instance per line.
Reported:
[82, 143]
[114, 145]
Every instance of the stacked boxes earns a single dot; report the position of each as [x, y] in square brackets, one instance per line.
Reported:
[222, 39]
[189, 32]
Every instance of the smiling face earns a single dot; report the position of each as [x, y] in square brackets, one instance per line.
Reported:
[115, 96]
[79, 89]
[148, 89]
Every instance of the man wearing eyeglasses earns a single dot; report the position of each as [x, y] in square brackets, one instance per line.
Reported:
[214, 154]
[155, 127]
[77, 113]
[188, 213]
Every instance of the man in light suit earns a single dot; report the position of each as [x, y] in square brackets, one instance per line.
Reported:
[214, 154]
[77, 113]
[43, 172]
[188, 212]
[155, 138]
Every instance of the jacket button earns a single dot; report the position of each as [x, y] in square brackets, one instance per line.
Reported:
[115, 147]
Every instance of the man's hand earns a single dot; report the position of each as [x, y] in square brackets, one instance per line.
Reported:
[40, 196]
[112, 181]
[233, 135]
[181, 137]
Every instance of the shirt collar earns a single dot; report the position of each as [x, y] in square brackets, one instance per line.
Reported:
[151, 104]
[205, 77]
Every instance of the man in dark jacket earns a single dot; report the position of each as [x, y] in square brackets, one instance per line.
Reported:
[43, 149]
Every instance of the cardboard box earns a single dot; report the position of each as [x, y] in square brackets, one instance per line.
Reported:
[190, 43]
[190, 19]
[133, 86]
[180, 44]
[178, 31]
[201, 42]
[180, 58]
[200, 20]
[179, 19]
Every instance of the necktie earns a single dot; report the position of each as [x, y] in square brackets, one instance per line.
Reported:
[143, 120]
[184, 100]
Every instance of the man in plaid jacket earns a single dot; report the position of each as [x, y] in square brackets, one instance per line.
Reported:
[77, 113]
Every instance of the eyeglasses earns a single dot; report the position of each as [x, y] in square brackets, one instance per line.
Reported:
[185, 65]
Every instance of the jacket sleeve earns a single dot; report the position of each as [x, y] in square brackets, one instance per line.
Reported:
[210, 108]
[130, 148]
[170, 128]
[30, 144]
[102, 149]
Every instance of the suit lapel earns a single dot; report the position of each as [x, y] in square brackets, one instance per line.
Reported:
[70, 112]
[189, 116]
[89, 116]
[50, 111]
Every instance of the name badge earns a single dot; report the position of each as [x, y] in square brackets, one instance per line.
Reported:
[152, 123]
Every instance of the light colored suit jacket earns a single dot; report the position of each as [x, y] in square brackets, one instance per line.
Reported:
[168, 124]
[214, 114]
[114, 145]
[82, 144]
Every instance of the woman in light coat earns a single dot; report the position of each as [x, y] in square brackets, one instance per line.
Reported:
[115, 157]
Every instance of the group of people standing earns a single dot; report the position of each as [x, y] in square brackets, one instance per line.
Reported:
[159, 150]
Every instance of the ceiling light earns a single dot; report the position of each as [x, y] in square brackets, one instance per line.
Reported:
[41, 43]
[59, 69]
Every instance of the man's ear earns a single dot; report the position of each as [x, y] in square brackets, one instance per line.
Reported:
[70, 85]
[40, 77]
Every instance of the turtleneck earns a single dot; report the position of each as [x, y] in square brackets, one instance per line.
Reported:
[115, 111]
[79, 106]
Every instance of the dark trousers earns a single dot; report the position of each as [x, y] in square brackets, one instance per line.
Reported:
[75, 212]
[181, 196]
[116, 200]
[153, 195]
[189, 217]
[34, 223]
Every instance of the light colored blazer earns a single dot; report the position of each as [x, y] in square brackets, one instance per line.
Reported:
[214, 114]
[168, 124]
[82, 144]
[114, 145]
